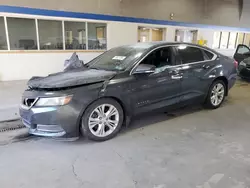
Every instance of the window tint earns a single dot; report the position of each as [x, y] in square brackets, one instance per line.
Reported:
[22, 34]
[3, 42]
[75, 35]
[97, 39]
[242, 49]
[190, 54]
[209, 55]
[159, 58]
[50, 34]
[118, 59]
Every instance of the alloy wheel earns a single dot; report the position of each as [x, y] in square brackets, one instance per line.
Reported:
[217, 94]
[103, 120]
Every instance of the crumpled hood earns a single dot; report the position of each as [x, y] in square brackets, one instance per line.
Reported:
[70, 78]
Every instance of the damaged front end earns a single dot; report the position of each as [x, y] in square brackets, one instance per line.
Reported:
[53, 105]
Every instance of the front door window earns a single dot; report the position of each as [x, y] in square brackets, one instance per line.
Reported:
[160, 58]
[242, 49]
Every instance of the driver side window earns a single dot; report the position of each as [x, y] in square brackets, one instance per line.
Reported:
[160, 58]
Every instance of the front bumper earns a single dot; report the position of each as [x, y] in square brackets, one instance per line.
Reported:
[50, 121]
[54, 121]
[45, 130]
[57, 121]
[31, 118]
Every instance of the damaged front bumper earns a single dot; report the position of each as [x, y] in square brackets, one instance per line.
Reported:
[50, 121]
[56, 120]
[42, 121]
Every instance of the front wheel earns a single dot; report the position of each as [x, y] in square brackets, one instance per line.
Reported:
[102, 120]
[216, 94]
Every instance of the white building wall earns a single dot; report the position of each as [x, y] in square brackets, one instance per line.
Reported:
[120, 33]
[170, 34]
[20, 66]
[206, 34]
[23, 65]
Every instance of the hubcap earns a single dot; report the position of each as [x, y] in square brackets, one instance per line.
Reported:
[217, 94]
[103, 120]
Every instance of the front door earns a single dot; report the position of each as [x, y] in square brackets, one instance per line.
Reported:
[195, 64]
[158, 89]
[242, 52]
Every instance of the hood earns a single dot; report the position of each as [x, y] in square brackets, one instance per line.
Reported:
[70, 78]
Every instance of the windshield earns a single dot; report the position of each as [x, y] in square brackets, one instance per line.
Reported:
[118, 59]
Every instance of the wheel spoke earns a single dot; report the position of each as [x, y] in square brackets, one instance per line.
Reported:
[216, 100]
[213, 99]
[101, 130]
[219, 87]
[112, 122]
[111, 127]
[98, 111]
[221, 93]
[215, 87]
[112, 111]
[103, 110]
[93, 122]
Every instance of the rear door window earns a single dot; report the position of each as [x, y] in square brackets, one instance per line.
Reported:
[190, 54]
[208, 55]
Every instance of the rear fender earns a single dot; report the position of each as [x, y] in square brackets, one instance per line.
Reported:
[216, 72]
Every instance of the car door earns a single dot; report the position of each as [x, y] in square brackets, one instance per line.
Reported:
[242, 52]
[158, 89]
[195, 63]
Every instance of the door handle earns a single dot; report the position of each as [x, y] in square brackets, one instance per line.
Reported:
[206, 66]
[176, 77]
[174, 71]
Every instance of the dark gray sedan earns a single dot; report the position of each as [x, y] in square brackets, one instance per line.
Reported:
[100, 97]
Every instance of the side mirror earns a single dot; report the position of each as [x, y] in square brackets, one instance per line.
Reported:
[144, 69]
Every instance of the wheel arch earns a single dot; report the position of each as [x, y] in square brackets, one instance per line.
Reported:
[126, 113]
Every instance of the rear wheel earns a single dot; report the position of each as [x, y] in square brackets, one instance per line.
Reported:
[102, 120]
[216, 94]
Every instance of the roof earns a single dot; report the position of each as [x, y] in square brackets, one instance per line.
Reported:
[151, 45]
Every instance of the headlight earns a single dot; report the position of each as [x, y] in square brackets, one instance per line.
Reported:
[53, 101]
[243, 64]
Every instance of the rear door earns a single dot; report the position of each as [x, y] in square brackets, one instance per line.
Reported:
[242, 52]
[195, 63]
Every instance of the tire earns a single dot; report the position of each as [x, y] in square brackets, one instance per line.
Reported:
[98, 126]
[211, 103]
